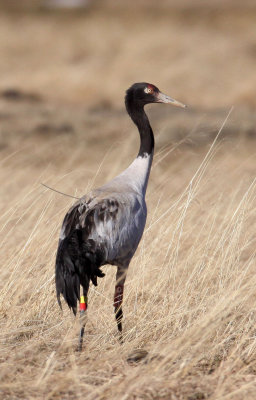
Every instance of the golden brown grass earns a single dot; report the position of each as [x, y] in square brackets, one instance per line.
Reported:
[205, 58]
[190, 293]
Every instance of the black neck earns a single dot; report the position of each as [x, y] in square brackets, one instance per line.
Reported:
[139, 117]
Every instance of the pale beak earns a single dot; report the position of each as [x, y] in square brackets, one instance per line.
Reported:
[163, 98]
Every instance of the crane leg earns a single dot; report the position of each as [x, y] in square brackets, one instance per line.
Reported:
[82, 318]
[118, 299]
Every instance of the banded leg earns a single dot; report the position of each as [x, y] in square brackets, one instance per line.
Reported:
[118, 299]
[82, 317]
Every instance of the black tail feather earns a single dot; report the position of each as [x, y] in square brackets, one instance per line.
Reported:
[76, 264]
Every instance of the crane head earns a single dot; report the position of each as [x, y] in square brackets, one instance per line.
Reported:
[145, 93]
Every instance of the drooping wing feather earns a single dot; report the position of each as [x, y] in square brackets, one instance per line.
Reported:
[97, 230]
[78, 257]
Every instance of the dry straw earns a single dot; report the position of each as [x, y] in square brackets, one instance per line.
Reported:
[189, 299]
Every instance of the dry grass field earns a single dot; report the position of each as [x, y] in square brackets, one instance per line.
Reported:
[190, 295]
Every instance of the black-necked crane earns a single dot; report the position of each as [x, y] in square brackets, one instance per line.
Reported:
[106, 225]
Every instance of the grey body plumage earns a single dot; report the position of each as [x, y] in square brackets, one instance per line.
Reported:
[106, 225]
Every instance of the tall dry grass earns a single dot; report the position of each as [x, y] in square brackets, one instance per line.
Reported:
[190, 292]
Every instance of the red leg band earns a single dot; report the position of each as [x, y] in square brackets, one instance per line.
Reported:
[83, 304]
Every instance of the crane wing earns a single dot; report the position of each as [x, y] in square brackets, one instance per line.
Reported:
[93, 232]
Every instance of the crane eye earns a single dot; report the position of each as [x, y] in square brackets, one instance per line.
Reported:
[148, 90]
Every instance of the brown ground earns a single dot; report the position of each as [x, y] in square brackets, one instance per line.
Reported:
[190, 293]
